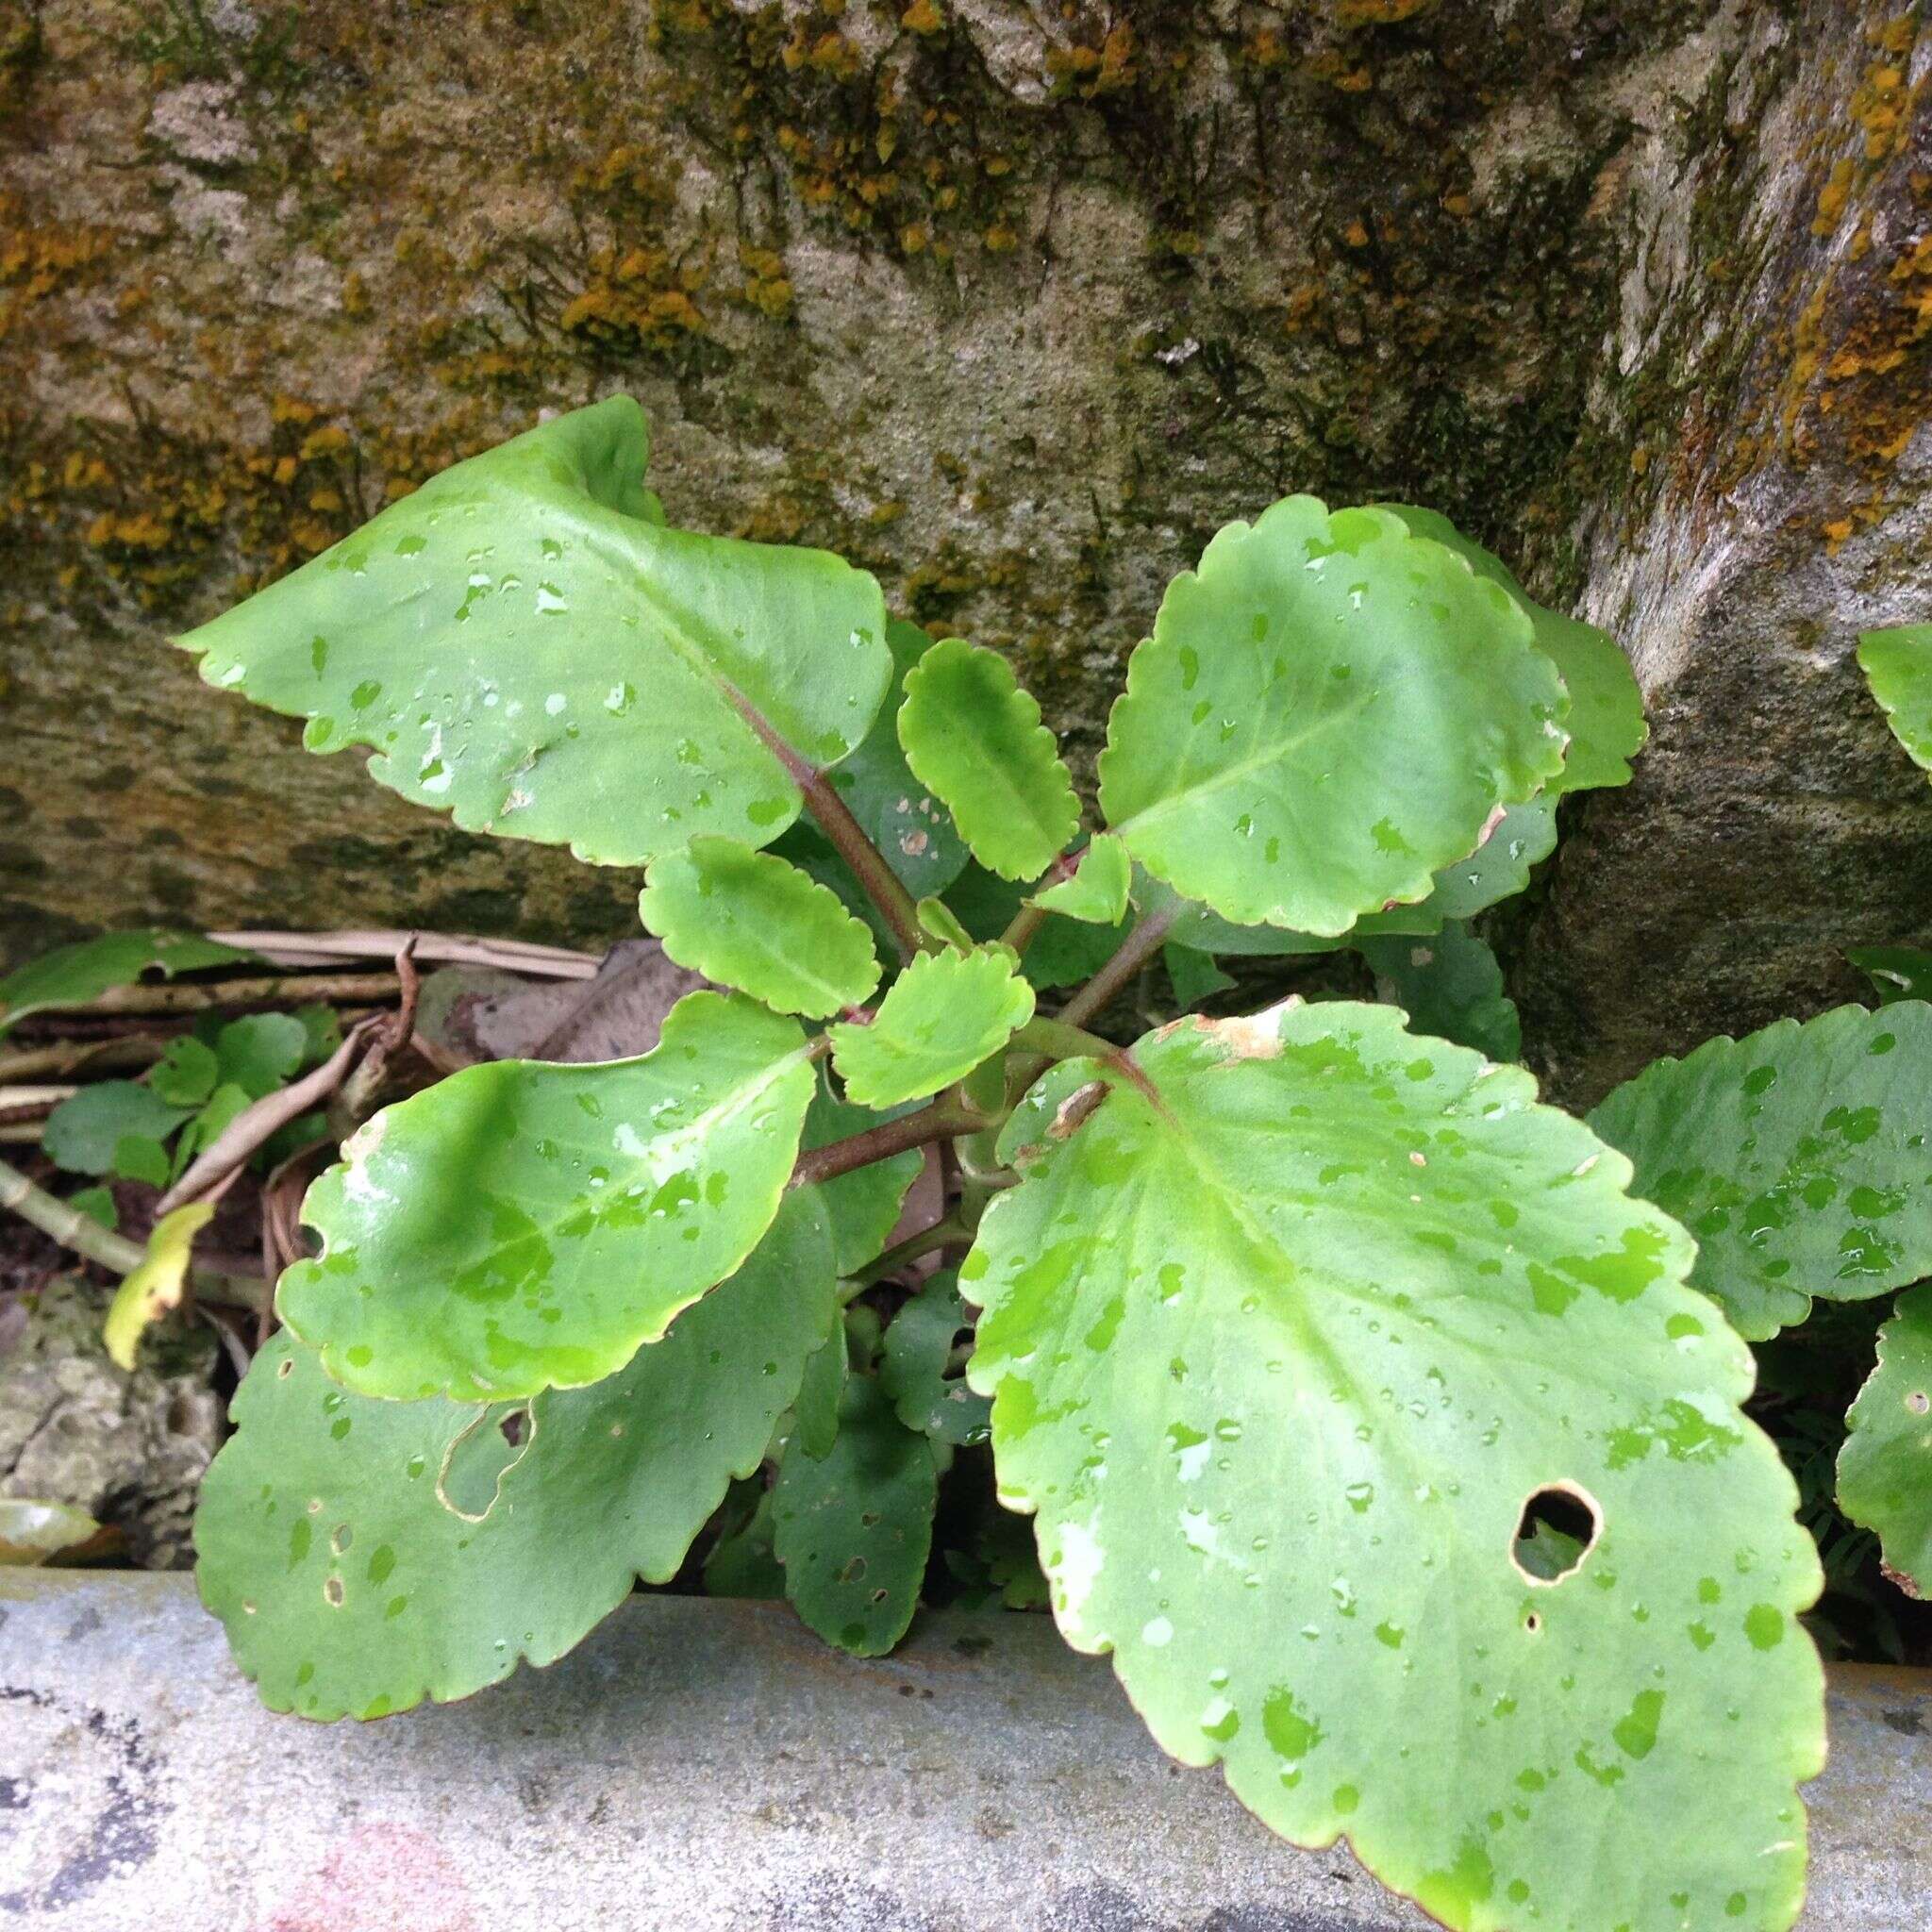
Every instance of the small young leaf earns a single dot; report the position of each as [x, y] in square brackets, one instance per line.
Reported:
[351, 1588]
[1283, 1349]
[83, 1131]
[748, 919]
[974, 738]
[97, 1203]
[743, 1563]
[899, 815]
[261, 1052]
[1885, 1468]
[864, 1205]
[1896, 972]
[1797, 1156]
[73, 975]
[1898, 665]
[913, 1371]
[854, 1530]
[1450, 985]
[1097, 892]
[138, 1157]
[186, 1073]
[150, 1289]
[1193, 975]
[522, 1227]
[1606, 724]
[1327, 711]
[1064, 951]
[815, 1413]
[938, 921]
[449, 634]
[944, 1015]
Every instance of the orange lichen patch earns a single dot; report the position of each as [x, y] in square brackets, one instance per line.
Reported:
[1091, 71]
[638, 299]
[1347, 76]
[923, 17]
[35, 260]
[767, 287]
[1832, 198]
[1879, 106]
[1353, 13]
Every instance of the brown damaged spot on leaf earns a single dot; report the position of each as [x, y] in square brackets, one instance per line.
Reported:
[1253, 1037]
[1076, 1108]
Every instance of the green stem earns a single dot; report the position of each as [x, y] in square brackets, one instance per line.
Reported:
[1031, 918]
[942, 1121]
[86, 1237]
[1135, 951]
[1059, 1041]
[948, 1229]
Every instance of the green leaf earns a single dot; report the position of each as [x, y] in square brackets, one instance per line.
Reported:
[1450, 985]
[1097, 892]
[1328, 712]
[154, 1286]
[938, 920]
[522, 1227]
[1064, 951]
[1896, 972]
[1797, 1156]
[1885, 1468]
[1498, 869]
[742, 1564]
[349, 1586]
[226, 1106]
[1282, 1349]
[748, 919]
[97, 1203]
[528, 651]
[186, 1073]
[815, 1413]
[260, 1053]
[854, 1530]
[138, 1157]
[83, 1131]
[914, 1369]
[73, 975]
[897, 812]
[1193, 975]
[944, 1015]
[1606, 724]
[864, 1205]
[1898, 665]
[976, 741]
[323, 1031]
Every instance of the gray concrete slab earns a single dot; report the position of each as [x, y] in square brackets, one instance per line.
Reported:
[704, 1765]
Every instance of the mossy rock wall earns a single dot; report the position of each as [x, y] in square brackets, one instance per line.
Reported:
[1013, 303]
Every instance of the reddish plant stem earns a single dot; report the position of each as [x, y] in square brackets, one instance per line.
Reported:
[1135, 951]
[939, 1122]
[847, 836]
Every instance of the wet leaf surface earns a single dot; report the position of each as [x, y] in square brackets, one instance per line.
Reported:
[350, 1586]
[1885, 1469]
[1283, 1346]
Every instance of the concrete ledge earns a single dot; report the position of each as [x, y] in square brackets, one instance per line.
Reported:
[703, 1765]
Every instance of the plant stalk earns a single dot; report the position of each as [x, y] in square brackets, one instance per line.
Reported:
[86, 1237]
[1135, 951]
[940, 1121]
[849, 837]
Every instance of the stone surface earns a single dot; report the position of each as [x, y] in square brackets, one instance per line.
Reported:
[129, 1449]
[700, 1766]
[1013, 303]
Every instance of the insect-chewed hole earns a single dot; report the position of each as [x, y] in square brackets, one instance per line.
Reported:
[1558, 1529]
[1918, 1402]
[491, 1444]
[513, 1427]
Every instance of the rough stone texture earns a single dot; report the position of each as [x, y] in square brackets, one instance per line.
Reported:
[1013, 302]
[705, 1765]
[129, 1450]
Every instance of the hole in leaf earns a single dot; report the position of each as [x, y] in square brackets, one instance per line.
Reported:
[1559, 1525]
[854, 1572]
[476, 1462]
[285, 1368]
[1918, 1402]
